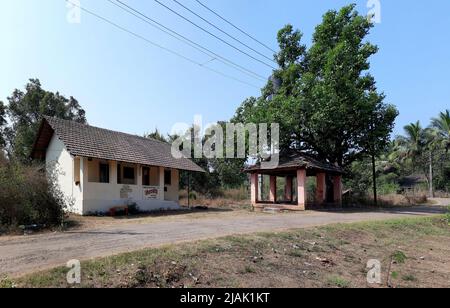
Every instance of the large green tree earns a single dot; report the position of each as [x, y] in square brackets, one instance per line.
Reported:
[327, 102]
[26, 109]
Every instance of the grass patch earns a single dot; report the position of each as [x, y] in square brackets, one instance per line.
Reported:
[6, 283]
[394, 275]
[447, 215]
[298, 258]
[409, 278]
[399, 257]
[339, 282]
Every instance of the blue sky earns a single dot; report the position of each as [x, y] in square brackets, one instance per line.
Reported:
[127, 85]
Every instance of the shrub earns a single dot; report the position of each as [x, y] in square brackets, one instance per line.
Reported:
[133, 209]
[399, 257]
[447, 215]
[29, 196]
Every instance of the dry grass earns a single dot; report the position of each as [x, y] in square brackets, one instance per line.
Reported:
[403, 200]
[331, 256]
[231, 198]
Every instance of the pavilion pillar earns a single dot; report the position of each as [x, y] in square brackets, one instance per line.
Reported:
[254, 183]
[288, 189]
[301, 183]
[321, 190]
[260, 194]
[273, 189]
[337, 189]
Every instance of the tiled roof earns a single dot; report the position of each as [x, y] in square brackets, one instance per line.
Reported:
[93, 142]
[298, 160]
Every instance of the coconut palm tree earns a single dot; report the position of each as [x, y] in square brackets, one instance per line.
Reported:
[412, 146]
[417, 147]
[442, 126]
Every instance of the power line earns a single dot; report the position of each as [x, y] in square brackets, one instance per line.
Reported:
[218, 28]
[158, 46]
[234, 26]
[213, 35]
[185, 40]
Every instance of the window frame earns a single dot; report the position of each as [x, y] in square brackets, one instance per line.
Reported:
[128, 168]
[168, 179]
[104, 167]
[146, 178]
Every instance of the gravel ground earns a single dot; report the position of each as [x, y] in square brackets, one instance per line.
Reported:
[25, 254]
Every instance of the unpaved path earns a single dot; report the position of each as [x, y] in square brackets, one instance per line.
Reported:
[24, 254]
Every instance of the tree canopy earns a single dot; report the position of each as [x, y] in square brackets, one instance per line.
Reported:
[442, 126]
[327, 102]
[26, 109]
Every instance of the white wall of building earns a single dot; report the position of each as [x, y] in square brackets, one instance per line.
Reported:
[89, 196]
[61, 164]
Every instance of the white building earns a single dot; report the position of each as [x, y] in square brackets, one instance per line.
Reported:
[99, 169]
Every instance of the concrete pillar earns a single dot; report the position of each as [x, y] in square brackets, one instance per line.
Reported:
[273, 189]
[84, 179]
[337, 189]
[260, 187]
[301, 183]
[321, 181]
[254, 183]
[161, 184]
[139, 175]
[113, 172]
[288, 189]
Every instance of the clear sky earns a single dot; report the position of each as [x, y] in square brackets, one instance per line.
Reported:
[125, 84]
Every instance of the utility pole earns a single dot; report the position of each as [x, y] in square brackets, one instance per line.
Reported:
[374, 169]
[189, 190]
[431, 175]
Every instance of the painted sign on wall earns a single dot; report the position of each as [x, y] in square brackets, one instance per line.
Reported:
[125, 192]
[151, 193]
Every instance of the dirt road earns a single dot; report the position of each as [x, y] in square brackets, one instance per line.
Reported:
[25, 254]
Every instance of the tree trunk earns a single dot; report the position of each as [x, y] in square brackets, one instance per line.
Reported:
[374, 173]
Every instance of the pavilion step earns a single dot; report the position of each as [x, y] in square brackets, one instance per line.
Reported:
[272, 210]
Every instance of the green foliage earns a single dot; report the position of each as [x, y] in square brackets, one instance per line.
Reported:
[6, 283]
[388, 184]
[409, 277]
[339, 282]
[221, 173]
[28, 196]
[26, 110]
[399, 257]
[133, 209]
[328, 103]
[442, 126]
[156, 135]
[2, 125]
[447, 215]
[410, 155]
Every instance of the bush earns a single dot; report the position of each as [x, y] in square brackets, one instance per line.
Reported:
[447, 215]
[29, 197]
[133, 209]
